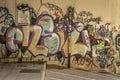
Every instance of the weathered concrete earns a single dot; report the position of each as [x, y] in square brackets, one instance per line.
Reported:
[15, 71]
[58, 73]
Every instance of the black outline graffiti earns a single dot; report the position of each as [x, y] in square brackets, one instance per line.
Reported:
[8, 19]
[87, 17]
[117, 40]
[104, 30]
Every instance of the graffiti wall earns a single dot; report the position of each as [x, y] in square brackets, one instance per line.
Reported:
[52, 36]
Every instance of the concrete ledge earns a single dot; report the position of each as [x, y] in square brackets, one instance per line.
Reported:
[44, 72]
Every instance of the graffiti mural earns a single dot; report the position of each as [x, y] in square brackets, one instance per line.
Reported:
[26, 14]
[50, 39]
[55, 34]
[32, 40]
[117, 40]
[6, 20]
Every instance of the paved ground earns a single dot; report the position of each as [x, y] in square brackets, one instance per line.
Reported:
[72, 74]
[20, 71]
[29, 71]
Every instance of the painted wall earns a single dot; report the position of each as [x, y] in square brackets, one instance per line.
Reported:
[49, 30]
[101, 8]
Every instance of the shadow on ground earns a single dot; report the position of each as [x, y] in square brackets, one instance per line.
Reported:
[49, 66]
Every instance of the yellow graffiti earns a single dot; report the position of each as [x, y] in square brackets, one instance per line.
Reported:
[74, 48]
[33, 47]
[77, 48]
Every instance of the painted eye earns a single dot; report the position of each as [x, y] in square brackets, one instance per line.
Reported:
[3, 29]
[8, 20]
[8, 16]
[79, 27]
[5, 10]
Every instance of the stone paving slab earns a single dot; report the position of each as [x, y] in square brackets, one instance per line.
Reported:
[11, 71]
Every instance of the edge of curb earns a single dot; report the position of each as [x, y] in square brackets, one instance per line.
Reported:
[44, 72]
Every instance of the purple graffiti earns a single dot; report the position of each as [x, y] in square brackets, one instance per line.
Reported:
[49, 37]
[14, 37]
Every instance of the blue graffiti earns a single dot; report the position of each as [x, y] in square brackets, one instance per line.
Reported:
[6, 19]
[3, 11]
[3, 29]
[105, 60]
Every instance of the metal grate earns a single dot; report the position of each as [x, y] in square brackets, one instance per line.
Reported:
[30, 71]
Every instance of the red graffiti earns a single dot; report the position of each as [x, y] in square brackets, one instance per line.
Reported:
[56, 14]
